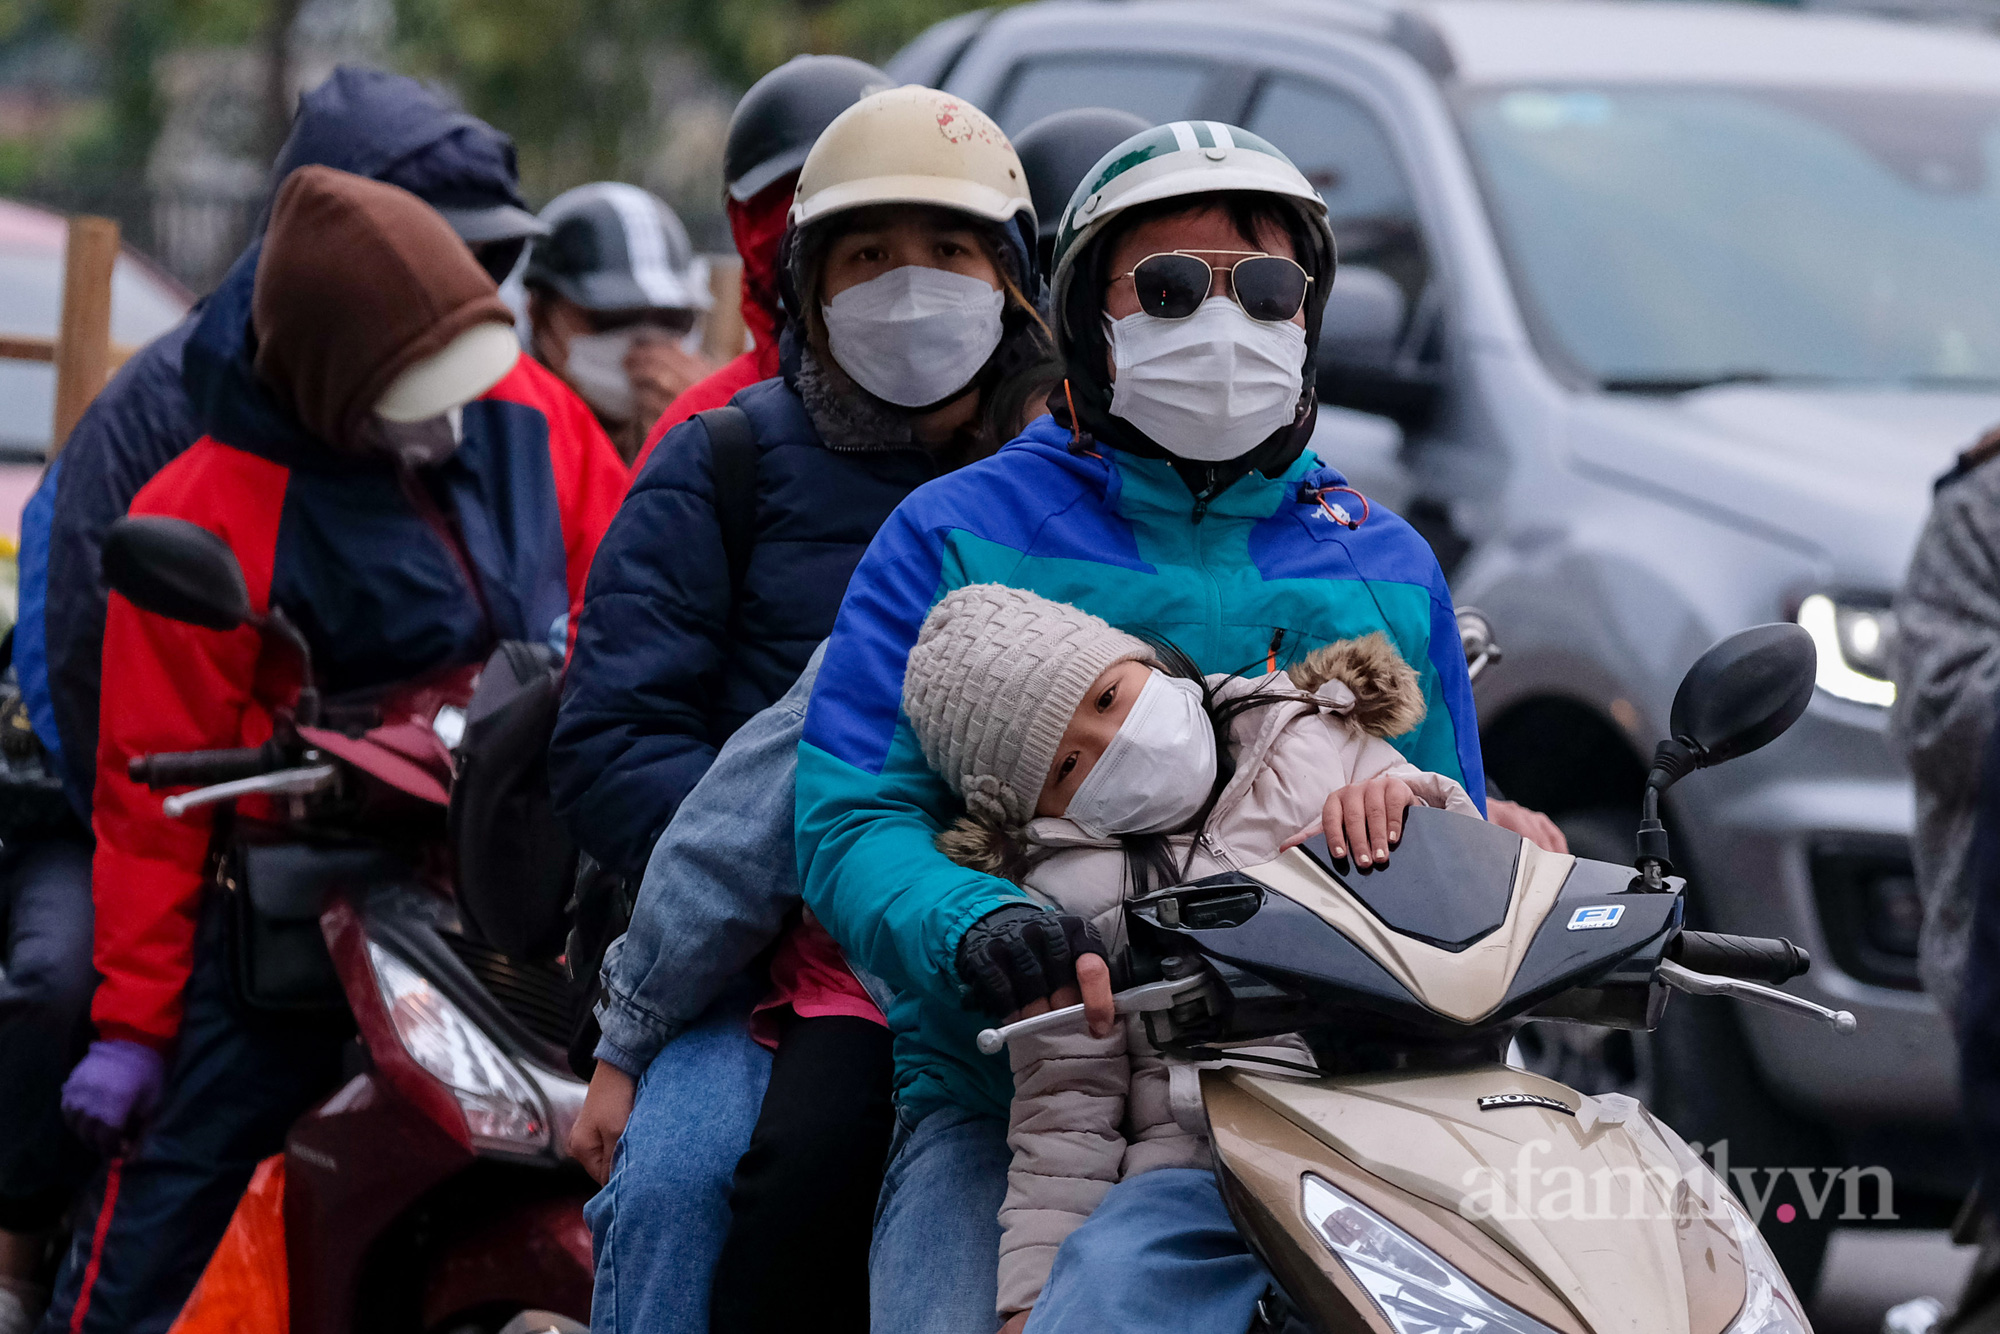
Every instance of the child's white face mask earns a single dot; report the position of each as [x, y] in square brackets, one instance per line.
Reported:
[1156, 773]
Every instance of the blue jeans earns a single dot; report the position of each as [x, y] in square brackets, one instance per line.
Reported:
[1160, 1252]
[934, 1265]
[657, 1226]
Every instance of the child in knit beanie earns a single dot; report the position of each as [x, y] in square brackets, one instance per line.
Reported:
[1075, 746]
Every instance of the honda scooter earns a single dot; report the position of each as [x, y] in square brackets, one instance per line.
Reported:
[1408, 1180]
[432, 1190]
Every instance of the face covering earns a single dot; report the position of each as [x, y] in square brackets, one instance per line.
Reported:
[1157, 771]
[418, 444]
[1211, 387]
[596, 367]
[914, 336]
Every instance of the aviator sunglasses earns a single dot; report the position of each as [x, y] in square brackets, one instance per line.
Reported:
[1172, 285]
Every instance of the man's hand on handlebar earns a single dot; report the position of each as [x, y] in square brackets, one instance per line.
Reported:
[1020, 961]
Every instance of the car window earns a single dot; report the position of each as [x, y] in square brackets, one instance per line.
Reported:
[1343, 151]
[1155, 89]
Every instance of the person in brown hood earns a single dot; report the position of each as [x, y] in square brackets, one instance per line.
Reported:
[363, 289]
[408, 489]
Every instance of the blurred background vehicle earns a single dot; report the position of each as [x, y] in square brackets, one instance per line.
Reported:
[1666, 317]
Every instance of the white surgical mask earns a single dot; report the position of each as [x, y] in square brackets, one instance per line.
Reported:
[915, 335]
[1157, 771]
[596, 367]
[420, 444]
[1210, 387]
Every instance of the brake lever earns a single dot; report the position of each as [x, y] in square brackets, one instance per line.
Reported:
[282, 782]
[1705, 984]
[1153, 996]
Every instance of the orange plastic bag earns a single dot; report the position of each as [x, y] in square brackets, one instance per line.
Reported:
[245, 1289]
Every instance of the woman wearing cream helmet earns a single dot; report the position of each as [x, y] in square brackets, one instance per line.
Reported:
[907, 256]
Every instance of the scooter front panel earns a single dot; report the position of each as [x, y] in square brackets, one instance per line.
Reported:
[1264, 1157]
[1599, 1212]
[1465, 984]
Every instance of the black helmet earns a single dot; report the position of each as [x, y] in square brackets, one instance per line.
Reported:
[1057, 150]
[783, 113]
[613, 246]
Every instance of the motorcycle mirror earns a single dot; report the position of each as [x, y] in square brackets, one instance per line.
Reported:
[178, 570]
[1743, 693]
[1475, 636]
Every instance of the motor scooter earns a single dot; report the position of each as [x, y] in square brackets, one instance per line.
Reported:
[1408, 1180]
[432, 1190]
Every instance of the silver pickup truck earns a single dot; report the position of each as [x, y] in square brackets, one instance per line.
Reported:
[1658, 320]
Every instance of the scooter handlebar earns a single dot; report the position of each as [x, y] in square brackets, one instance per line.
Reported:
[1754, 958]
[197, 768]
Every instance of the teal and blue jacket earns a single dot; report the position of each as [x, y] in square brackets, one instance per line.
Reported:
[1259, 577]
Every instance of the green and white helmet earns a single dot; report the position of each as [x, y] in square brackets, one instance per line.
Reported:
[1181, 159]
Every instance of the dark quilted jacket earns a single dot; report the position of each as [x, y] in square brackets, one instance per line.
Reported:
[665, 667]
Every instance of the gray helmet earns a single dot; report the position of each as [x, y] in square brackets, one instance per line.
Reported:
[775, 124]
[613, 246]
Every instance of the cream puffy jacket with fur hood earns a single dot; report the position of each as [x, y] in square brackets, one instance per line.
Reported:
[1089, 1112]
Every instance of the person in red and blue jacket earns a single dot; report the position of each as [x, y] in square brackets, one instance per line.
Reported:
[398, 549]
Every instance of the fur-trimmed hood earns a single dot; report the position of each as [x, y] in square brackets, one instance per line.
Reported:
[1358, 687]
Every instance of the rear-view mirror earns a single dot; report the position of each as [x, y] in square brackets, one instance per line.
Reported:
[178, 570]
[1744, 692]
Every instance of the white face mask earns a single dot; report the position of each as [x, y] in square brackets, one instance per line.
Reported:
[596, 367]
[914, 336]
[1210, 387]
[1157, 771]
[420, 444]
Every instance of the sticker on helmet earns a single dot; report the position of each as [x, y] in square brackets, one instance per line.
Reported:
[1494, 1101]
[1597, 918]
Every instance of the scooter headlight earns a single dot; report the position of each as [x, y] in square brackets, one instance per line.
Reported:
[1415, 1288]
[1769, 1305]
[502, 1110]
[1855, 644]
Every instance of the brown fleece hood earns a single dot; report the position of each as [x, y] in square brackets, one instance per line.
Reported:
[358, 281]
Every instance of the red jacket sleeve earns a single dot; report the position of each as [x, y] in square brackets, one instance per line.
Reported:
[590, 477]
[169, 686]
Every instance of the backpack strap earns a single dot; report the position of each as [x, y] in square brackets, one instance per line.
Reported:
[732, 461]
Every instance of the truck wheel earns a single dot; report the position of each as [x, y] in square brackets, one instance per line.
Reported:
[1593, 1060]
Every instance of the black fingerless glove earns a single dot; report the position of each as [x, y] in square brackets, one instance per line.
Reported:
[1020, 953]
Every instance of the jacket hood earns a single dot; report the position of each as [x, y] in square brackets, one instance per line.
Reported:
[395, 129]
[358, 281]
[371, 123]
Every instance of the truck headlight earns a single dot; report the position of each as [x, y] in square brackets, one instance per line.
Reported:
[1855, 644]
[1415, 1288]
[502, 1110]
[1769, 1305]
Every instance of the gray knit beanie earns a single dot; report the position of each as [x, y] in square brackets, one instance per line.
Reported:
[991, 685]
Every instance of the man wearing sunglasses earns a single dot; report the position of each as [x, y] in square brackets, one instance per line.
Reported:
[1173, 493]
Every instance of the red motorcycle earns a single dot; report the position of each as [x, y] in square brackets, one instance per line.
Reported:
[432, 1191]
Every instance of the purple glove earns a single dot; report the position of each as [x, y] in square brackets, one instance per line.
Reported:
[112, 1091]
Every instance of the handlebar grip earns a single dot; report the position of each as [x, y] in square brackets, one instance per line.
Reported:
[198, 768]
[1753, 958]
